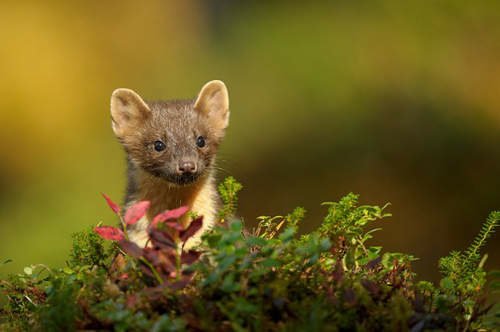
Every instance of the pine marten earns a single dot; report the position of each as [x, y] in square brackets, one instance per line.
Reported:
[171, 148]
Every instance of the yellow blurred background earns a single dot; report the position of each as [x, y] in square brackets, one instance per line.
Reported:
[396, 101]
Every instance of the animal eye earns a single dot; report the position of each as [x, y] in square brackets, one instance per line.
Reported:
[200, 141]
[159, 146]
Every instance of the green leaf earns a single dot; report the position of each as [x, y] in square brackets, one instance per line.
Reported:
[226, 262]
[229, 285]
[325, 244]
[244, 306]
[426, 286]
[288, 234]
[256, 241]
[373, 252]
[270, 262]
[236, 226]
[447, 284]
[7, 261]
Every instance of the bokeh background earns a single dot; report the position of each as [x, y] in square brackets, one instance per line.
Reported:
[396, 101]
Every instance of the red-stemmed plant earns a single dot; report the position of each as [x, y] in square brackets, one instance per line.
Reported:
[163, 257]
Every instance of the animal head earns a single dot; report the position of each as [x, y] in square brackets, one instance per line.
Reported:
[175, 140]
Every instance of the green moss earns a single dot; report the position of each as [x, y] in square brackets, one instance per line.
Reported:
[88, 249]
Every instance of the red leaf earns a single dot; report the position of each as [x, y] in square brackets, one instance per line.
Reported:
[189, 257]
[161, 239]
[109, 233]
[160, 259]
[115, 207]
[192, 229]
[176, 285]
[147, 271]
[170, 214]
[131, 301]
[136, 212]
[175, 225]
[130, 248]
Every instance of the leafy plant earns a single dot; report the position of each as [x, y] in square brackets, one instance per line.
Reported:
[165, 259]
[464, 278]
[88, 249]
[228, 191]
[268, 278]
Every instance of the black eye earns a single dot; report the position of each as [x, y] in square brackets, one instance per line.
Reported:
[200, 141]
[159, 146]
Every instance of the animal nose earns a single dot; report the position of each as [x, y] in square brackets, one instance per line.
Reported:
[186, 167]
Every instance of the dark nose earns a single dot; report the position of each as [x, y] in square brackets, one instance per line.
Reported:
[186, 167]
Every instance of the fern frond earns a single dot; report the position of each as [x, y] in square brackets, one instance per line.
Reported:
[472, 253]
[228, 191]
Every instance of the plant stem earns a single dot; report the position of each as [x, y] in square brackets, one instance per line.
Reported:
[153, 270]
[124, 224]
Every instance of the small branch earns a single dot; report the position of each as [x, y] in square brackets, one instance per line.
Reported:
[153, 270]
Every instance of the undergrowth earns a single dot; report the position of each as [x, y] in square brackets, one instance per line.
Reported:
[264, 279]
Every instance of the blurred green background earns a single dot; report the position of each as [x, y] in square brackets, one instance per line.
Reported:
[396, 101]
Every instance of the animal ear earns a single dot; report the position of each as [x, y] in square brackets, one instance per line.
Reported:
[127, 108]
[213, 101]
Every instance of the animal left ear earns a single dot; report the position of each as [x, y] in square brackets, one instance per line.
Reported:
[213, 101]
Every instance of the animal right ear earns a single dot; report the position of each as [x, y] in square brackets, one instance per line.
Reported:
[127, 108]
[213, 101]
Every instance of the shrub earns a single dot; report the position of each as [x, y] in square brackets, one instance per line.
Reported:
[267, 278]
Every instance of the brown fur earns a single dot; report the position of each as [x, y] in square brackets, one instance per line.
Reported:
[154, 175]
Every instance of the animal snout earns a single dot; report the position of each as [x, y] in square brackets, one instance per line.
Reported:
[186, 167]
